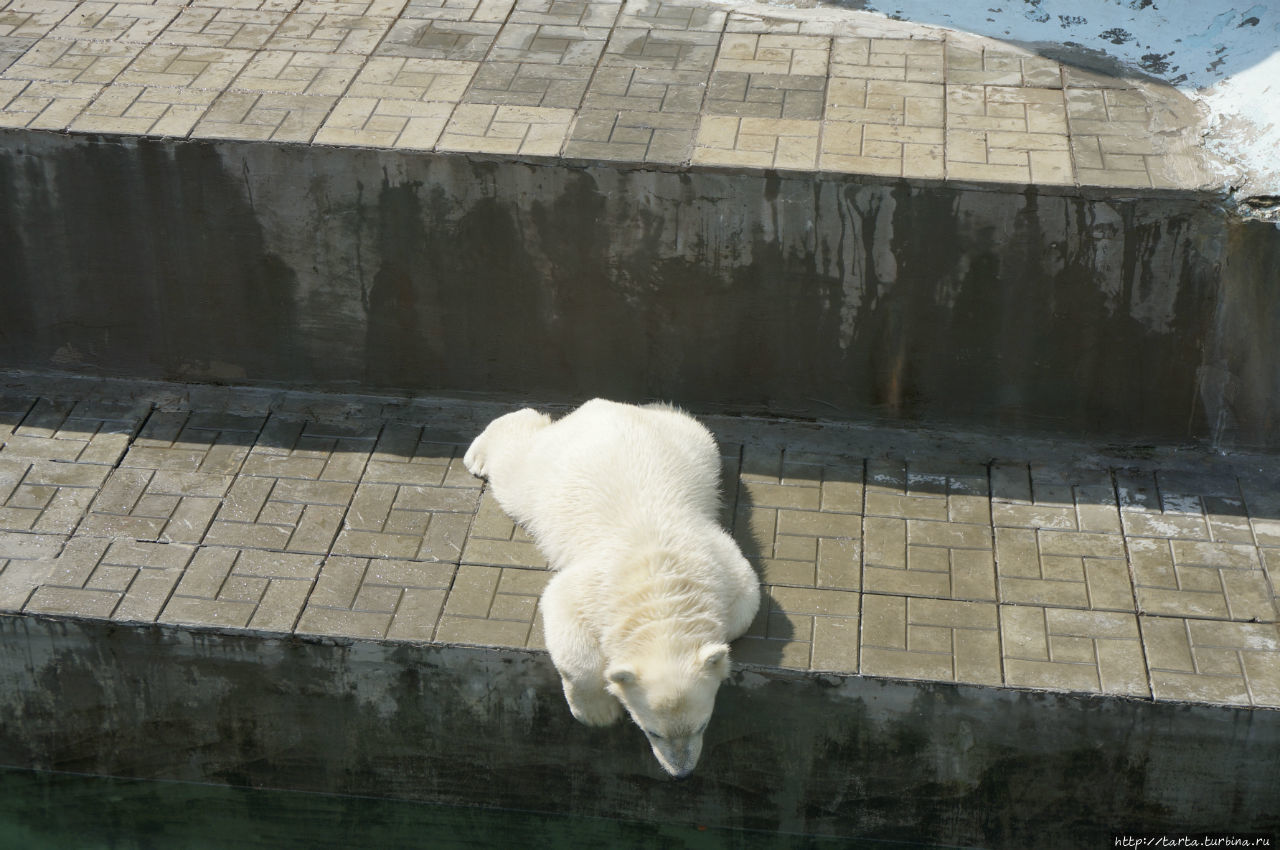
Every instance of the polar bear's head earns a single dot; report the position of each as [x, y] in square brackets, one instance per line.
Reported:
[670, 696]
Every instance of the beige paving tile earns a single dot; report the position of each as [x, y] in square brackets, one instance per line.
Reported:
[144, 573]
[745, 22]
[1170, 506]
[888, 59]
[18, 580]
[14, 407]
[765, 95]
[70, 432]
[52, 466]
[842, 152]
[385, 122]
[256, 116]
[494, 540]
[525, 130]
[12, 48]
[174, 478]
[492, 606]
[998, 132]
[149, 505]
[135, 23]
[651, 79]
[672, 16]
[72, 602]
[490, 11]
[298, 72]
[321, 26]
[1061, 649]
[936, 639]
[428, 522]
[941, 560]
[1123, 119]
[798, 518]
[1208, 661]
[553, 42]
[144, 110]
[39, 105]
[74, 61]
[774, 54]
[583, 13]
[1271, 565]
[403, 78]
[32, 560]
[421, 456]
[804, 629]
[928, 489]
[529, 84]
[184, 67]
[292, 494]
[758, 142]
[609, 134]
[1035, 496]
[245, 5]
[32, 19]
[769, 76]
[662, 50]
[212, 26]
[884, 127]
[1262, 509]
[1197, 578]
[1063, 568]
[374, 597]
[246, 589]
[890, 103]
[457, 40]
[996, 67]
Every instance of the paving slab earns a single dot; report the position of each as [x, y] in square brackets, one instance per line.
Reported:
[670, 84]
[927, 556]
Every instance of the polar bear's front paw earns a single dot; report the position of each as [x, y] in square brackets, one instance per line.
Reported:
[474, 459]
[592, 706]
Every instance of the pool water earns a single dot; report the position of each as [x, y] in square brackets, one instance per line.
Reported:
[42, 810]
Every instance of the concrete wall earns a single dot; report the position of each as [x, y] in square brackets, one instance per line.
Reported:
[796, 295]
[816, 754]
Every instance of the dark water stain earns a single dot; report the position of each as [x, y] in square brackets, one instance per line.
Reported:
[130, 287]
[451, 283]
[785, 751]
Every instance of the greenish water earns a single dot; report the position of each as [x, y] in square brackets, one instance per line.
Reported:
[61, 811]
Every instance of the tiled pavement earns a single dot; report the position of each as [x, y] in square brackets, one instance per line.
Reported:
[659, 82]
[922, 556]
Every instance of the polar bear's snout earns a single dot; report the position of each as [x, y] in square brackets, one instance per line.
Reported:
[678, 756]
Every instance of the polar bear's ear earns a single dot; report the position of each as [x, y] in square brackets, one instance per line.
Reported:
[715, 656]
[620, 676]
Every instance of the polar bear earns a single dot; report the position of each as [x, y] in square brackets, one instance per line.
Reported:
[649, 588]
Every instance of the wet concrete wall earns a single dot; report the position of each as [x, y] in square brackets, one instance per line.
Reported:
[796, 294]
[813, 754]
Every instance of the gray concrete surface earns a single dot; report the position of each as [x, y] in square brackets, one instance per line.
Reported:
[820, 754]
[1139, 316]
[1003, 642]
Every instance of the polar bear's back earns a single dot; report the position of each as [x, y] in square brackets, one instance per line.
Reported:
[615, 449]
[610, 471]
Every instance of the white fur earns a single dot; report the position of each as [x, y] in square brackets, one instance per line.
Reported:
[649, 589]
